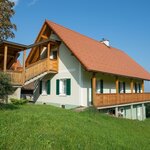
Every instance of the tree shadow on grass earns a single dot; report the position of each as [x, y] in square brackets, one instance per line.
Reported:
[8, 107]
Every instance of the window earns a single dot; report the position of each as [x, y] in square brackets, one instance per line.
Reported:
[99, 86]
[44, 87]
[139, 87]
[63, 87]
[53, 54]
[135, 87]
[122, 87]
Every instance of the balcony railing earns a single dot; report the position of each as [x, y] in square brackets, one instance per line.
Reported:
[15, 77]
[103, 100]
[33, 70]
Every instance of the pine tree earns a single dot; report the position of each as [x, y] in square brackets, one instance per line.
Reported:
[7, 28]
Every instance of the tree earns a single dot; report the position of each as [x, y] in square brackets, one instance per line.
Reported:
[6, 13]
[5, 87]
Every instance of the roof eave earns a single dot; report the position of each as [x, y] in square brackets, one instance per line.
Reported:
[127, 76]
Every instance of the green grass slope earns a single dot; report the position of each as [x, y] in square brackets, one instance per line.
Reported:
[39, 127]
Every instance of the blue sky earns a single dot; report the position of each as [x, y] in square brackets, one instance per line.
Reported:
[126, 23]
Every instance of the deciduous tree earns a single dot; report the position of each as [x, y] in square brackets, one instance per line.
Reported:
[7, 28]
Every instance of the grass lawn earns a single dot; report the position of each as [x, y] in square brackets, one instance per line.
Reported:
[42, 127]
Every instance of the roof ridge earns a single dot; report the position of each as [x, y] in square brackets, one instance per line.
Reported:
[76, 32]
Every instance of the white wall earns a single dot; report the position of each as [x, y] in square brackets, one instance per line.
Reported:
[69, 67]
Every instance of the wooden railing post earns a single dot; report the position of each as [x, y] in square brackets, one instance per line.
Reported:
[131, 85]
[48, 50]
[48, 55]
[142, 86]
[93, 89]
[117, 85]
[24, 66]
[117, 89]
[5, 58]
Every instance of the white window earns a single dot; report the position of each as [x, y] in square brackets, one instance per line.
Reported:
[99, 86]
[44, 92]
[62, 87]
[53, 54]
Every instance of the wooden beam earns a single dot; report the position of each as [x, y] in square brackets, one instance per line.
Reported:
[142, 86]
[131, 85]
[48, 50]
[24, 65]
[44, 37]
[54, 42]
[5, 58]
[7, 55]
[93, 88]
[117, 85]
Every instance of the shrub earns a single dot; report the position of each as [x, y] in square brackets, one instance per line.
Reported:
[5, 87]
[18, 101]
[148, 110]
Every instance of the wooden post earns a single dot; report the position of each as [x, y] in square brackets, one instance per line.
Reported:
[48, 50]
[131, 86]
[5, 58]
[117, 85]
[48, 54]
[142, 86]
[93, 88]
[24, 64]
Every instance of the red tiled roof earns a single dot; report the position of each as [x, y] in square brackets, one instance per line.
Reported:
[96, 56]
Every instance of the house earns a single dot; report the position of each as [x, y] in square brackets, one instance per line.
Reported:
[70, 69]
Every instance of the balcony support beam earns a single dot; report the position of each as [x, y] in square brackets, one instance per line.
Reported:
[5, 58]
[117, 85]
[131, 86]
[24, 65]
[93, 88]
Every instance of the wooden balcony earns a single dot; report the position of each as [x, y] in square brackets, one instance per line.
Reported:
[104, 100]
[18, 78]
[15, 77]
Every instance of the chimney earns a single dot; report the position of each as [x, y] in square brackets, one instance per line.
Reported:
[105, 41]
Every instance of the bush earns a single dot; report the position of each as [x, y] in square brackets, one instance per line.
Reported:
[18, 101]
[5, 87]
[148, 110]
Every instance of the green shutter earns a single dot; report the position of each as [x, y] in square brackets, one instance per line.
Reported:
[57, 87]
[119, 87]
[124, 87]
[68, 87]
[101, 83]
[48, 87]
[40, 89]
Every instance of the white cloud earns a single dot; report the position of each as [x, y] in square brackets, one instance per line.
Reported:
[15, 1]
[32, 2]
